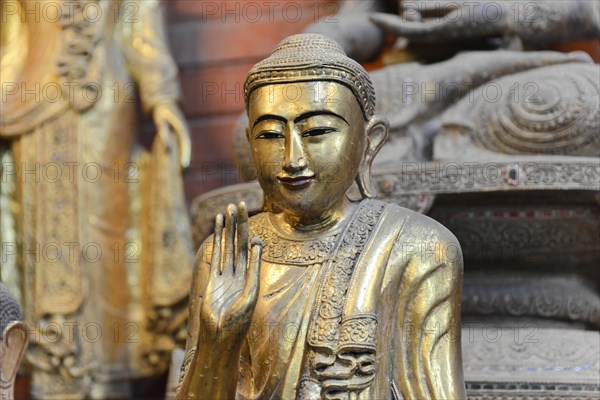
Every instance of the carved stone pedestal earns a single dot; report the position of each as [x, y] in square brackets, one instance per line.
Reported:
[526, 362]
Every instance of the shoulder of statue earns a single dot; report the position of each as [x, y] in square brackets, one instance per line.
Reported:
[421, 226]
[422, 241]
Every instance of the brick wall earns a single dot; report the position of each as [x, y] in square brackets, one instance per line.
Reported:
[215, 43]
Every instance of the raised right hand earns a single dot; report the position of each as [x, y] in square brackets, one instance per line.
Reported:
[234, 279]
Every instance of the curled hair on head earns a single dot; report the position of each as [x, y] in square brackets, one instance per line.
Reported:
[312, 57]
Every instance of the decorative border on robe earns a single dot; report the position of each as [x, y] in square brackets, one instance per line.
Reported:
[326, 327]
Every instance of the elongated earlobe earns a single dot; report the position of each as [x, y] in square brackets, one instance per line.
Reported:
[377, 132]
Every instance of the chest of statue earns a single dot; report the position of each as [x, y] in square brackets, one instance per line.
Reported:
[309, 314]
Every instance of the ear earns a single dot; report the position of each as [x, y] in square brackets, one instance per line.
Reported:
[376, 132]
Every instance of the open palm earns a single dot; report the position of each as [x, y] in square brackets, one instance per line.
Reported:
[233, 284]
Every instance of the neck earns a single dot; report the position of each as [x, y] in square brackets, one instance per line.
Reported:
[315, 224]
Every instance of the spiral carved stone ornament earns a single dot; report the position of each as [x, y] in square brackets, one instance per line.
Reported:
[552, 110]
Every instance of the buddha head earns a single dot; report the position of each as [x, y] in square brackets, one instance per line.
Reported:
[311, 124]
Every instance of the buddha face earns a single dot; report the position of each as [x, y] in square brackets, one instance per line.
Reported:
[307, 143]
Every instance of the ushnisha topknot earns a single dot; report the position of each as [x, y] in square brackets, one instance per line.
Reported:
[310, 57]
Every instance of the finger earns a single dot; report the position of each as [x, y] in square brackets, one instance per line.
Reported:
[185, 146]
[216, 248]
[227, 265]
[252, 286]
[400, 27]
[163, 132]
[242, 239]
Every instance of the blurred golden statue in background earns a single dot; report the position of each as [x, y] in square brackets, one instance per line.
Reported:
[95, 238]
[319, 296]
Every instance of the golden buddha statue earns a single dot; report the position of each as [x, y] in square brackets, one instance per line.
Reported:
[319, 296]
[95, 237]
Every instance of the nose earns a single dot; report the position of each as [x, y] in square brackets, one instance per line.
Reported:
[294, 159]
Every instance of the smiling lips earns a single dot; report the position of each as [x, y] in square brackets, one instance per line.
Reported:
[295, 182]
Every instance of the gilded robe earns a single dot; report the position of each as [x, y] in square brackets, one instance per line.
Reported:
[376, 301]
[79, 192]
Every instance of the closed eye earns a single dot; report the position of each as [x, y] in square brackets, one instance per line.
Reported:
[270, 135]
[318, 132]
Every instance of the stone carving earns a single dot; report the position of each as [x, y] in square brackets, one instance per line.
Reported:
[532, 297]
[547, 111]
[415, 96]
[530, 363]
[529, 231]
